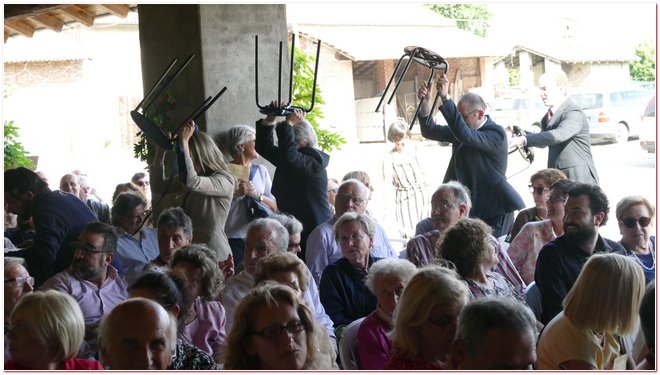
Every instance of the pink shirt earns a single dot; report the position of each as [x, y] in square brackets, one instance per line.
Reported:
[525, 247]
[207, 331]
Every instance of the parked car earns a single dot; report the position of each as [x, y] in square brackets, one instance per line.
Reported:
[525, 111]
[647, 133]
[613, 114]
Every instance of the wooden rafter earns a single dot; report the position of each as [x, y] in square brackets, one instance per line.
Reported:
[119, 10]
[79, 14]
[20, 27]
[21, 11]
[49, 22]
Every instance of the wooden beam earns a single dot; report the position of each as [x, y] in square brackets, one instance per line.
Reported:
[49, 22]
[6, 36]
[15, 12]
[119, 10]
[21, 28]
[79, 14]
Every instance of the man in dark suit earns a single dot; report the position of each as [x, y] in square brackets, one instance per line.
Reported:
[564, 130]
[479, 154]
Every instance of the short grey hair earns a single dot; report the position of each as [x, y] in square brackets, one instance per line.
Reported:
[109, 323]
[389, 267]
[234, 137]
[292, 225]
[461, 192]
[304, 132]
[366, 222]
[281, 239]
[482, 315]
[11, 262]
[362, 188]
[397, 130]
[176, 217]
[474, 101]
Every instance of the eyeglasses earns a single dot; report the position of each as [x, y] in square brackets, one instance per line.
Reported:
[87, 248]
[444, 205]
[274, 331]
[21, 280]
[465, 116]
[143, 183]
[346, 198]
[557, 198]
[333, 191]
[631, 222]
[355, 238]
[536, 190]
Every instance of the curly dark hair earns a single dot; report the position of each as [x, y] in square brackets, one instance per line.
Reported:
[204, 259]
[465, 244]
[598, 201]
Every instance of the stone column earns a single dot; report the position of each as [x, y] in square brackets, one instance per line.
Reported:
[222, 39]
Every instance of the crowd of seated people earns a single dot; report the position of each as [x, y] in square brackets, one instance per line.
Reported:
[278, 293]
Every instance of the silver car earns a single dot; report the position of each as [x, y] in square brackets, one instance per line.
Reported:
[613, 114]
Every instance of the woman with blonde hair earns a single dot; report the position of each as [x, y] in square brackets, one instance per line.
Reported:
[206, 192]
[285, 268]
[602, 306]
[47, 329]
[635, 215]
[274, 330]
[425, 320]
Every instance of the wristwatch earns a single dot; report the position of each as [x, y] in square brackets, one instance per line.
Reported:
[261, 198]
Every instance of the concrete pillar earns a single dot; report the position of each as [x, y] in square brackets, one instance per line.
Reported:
[526, 75]
[222, 38]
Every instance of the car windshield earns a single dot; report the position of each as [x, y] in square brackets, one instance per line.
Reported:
[650, 110]
[588, 101]
[509, 104]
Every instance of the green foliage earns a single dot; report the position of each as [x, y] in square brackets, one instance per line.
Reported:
[514, 77]
[159, 114]
[303, 84]
[15, 154]
[644, 69]
[470, 17]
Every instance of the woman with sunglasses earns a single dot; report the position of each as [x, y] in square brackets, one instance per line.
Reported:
[539, 186]
[274, 330]
[525, 248]
[635, 215]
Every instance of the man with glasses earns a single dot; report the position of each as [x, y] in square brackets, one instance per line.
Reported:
[479, 154]
[322, 249]
[450, 203]
[58, 219]
[91, 280]
[561, 260]
[18, 282]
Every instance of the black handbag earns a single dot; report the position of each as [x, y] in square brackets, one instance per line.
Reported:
[255, 208]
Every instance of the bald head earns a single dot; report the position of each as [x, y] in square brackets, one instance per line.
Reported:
[70, 183]
[138, 334]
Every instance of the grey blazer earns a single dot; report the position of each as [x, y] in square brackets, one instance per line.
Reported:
[568, 142]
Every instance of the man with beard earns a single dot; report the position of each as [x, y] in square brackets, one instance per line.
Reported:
[91, 280]
[560, 261]
[450, 203]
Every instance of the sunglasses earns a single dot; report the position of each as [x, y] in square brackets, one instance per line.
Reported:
[536, 190]
[632, 222]
[275, 331]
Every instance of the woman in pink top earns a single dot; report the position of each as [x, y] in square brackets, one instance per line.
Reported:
[47, 329]
[203, 325]
[525, 248]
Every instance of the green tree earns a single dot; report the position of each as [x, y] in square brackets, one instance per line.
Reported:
[159, 114]
[303, 84]
[470, 17]
[15, 154]
[514, 77]
[644, 69]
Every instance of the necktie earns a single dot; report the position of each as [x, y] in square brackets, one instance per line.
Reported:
[549, 115]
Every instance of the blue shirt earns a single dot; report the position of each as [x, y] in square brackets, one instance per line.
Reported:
[132, 255]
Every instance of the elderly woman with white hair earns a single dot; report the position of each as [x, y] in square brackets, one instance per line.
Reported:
[636, 215]
[301, 180]
[47, 329]
[252, 182]
[343, 292]
[386, 280]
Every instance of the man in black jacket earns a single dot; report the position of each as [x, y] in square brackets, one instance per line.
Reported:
[58, 217]
[479, 154]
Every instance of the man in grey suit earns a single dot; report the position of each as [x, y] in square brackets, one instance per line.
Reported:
[564, 130]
